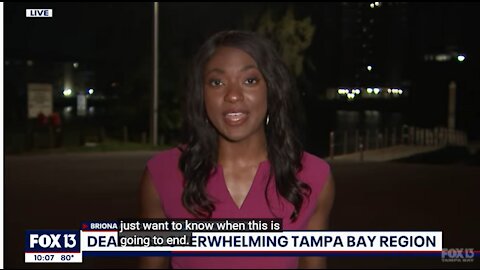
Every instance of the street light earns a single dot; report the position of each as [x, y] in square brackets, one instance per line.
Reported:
[67, 92]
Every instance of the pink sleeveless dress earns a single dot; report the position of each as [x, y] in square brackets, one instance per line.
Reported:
[168, 181]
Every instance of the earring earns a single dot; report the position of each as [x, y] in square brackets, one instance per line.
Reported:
[268, 119]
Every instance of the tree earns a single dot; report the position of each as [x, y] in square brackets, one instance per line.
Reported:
[291, 36]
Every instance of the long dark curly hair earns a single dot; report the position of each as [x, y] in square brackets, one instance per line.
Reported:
[200, 145]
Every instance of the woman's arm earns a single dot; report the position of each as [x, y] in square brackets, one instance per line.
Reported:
[151, 207]
[319, 221]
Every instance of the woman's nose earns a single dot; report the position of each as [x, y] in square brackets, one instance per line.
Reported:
[234, 93]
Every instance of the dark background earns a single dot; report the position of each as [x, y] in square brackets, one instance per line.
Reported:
[113, 44]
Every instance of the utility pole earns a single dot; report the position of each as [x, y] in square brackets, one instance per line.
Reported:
[154, 124]
[452, 87]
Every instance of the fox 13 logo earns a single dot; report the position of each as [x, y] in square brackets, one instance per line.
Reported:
[56, 241]
[458, 255]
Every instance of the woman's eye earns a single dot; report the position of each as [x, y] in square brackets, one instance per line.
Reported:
[251, 81]
[215, 83]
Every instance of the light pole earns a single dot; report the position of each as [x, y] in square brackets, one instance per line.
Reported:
[154, 124]
[452, 87]
[452, 97]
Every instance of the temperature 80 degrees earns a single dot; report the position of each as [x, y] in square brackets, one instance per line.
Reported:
[53, 257]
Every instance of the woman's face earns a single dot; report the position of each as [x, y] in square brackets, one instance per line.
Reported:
[235, 94]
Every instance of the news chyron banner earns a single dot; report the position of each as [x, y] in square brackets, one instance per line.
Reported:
[238, 237]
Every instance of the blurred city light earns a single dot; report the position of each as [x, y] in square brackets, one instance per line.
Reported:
[342, 91]
[90, 91]
[442, 57]
[369, 92]
[75, 65]
[67, 92]
[369, 68]
[461, 58]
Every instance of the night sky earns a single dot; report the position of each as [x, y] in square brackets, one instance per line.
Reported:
[116, 38]
[85, 28]
[77, 30]
[124, 30]
[111, 30]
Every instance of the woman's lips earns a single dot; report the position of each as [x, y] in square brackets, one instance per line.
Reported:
[235, 118]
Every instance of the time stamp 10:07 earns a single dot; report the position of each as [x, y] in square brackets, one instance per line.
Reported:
[53, 257]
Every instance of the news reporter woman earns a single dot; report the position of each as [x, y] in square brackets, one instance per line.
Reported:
[241, 157]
